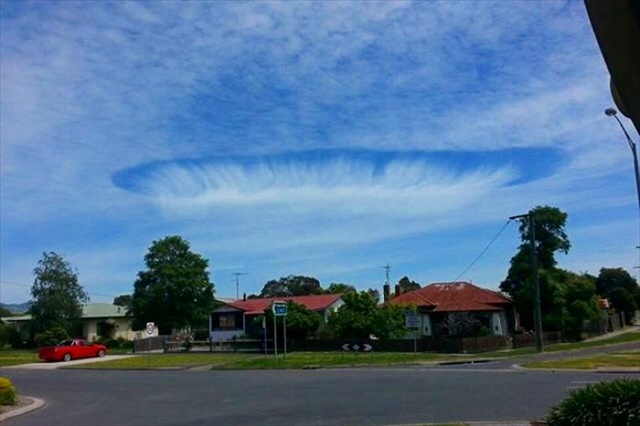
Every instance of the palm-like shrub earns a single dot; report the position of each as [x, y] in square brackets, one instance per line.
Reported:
[615, 403]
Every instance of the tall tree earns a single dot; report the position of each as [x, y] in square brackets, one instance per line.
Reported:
[360, 316]
[174, 291]
[621, 289]
[550, 236]
[408, 285]
[57, 295]
[339, 288]
[293, 285]
[122, 300]
[301, 321]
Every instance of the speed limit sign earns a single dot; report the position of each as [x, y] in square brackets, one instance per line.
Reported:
[150, 327]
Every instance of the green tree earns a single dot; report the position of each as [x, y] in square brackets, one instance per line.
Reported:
[340, 288]
[375, 294]
[57, 295]
[302, 322]
[621, 289]
[4, 312]
[123, 300]
[360, 316]
[550, 238]
[174, 291]
[408, 285]
[293, 285]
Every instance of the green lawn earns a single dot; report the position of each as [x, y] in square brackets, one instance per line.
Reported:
[170, 360]
[619, 359]
[337, 359]
[631, 336]
[234, 361]
[239, 361]
[18, 356]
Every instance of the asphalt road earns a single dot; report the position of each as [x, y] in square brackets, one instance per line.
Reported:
[380, 396]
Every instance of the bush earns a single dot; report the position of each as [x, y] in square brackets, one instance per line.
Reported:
[614, 403]
[119, 343]
[7, 392]
[51, 337]
[9, 335]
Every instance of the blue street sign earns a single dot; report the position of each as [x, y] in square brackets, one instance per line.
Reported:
[279, 309]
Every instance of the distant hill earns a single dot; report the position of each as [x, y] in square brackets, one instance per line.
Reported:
[16, 308]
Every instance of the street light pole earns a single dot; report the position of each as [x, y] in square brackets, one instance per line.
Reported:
[537, 310]
[611, 112]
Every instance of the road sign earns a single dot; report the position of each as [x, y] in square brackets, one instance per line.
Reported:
[411, 319]
[150, 327]
[279, 309]
[356, 347]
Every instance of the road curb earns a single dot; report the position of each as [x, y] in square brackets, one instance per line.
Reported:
[34, 405]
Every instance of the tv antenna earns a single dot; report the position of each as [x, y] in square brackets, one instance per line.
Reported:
[387, 268]
[237, 275]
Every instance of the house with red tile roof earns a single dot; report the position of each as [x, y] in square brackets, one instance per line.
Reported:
[437, 303]
[235, 318]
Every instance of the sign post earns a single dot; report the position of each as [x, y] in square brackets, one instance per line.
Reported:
[150, 328]
[412, 320]
[280, 310]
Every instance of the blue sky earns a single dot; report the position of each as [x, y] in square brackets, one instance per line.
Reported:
[319, 138]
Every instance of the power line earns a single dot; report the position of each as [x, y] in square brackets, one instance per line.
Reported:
[483, 250]
[29, 285]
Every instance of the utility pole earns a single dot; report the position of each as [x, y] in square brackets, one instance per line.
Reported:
[237, 275]
[537, 311]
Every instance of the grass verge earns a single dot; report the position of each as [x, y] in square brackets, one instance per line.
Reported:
[620, 359]
[18, 356]
[629, 337]
[236, 361]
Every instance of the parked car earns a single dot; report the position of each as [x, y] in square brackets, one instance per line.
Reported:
[72, 349]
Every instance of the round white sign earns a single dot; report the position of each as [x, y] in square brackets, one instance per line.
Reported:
[150, 327]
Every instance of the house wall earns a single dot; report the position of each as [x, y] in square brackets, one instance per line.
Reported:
[122, 328]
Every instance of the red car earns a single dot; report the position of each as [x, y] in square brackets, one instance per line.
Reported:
[72, 349]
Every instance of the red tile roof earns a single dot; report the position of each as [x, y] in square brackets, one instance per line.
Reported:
[316, 302]
[453, 297]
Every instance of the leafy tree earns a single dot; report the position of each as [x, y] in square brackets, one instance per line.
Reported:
[360, 316]
[122, 300]
[57, 295]
[550, 236]
[611, 278]
[51, 337]
[174, 291]
[293, 285]
[340, 288]
[301, 321]
[4, 312]
[408, 285]
[621, 289]
[623, 301]
[375, 294]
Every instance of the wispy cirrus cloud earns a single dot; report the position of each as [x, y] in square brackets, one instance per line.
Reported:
[293, 135]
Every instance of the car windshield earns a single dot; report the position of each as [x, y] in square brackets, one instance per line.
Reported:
[65, 343]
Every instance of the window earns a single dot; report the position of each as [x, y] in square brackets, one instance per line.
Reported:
[228, 321]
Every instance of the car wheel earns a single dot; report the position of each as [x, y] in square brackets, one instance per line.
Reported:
[101, 353]
[67, 357]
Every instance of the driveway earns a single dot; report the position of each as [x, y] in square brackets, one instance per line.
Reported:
[56, 365]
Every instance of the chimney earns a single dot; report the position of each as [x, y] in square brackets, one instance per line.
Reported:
[244, 296]
[398, 290]
[385, 293]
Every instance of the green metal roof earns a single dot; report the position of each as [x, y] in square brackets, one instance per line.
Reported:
[90, 310]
